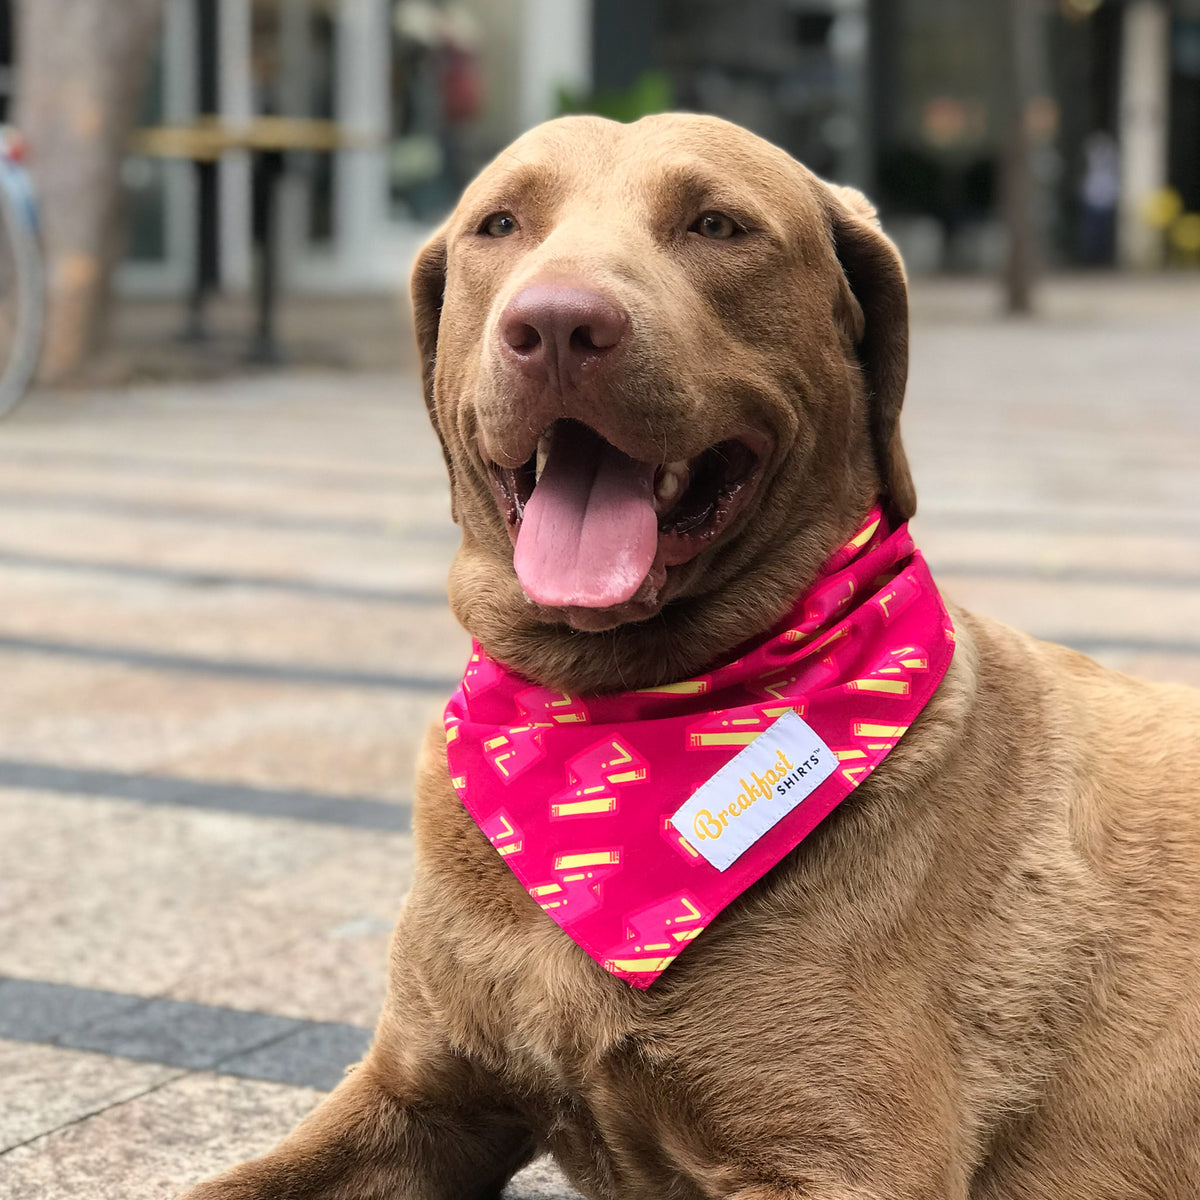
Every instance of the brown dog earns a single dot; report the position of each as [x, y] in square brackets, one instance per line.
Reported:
[992, 988]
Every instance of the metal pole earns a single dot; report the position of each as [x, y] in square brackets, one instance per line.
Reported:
[207, 200]
[1022, 29]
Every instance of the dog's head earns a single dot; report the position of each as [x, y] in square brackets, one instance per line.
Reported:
[666, 364]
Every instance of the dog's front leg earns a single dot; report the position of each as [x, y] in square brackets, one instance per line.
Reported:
[364, 1143]
[414, 1121]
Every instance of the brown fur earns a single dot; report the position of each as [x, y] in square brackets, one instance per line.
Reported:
[993, 983]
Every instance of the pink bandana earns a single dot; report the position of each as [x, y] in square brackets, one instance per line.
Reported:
[634, 818]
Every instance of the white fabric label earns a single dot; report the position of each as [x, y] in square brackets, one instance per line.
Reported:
[782, 767]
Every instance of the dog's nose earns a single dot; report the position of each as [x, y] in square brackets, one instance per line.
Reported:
[549, 329]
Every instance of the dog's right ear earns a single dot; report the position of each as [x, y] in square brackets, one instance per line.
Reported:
[428, 290]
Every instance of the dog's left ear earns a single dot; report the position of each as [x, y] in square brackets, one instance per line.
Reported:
[875, 313]
[428, 291]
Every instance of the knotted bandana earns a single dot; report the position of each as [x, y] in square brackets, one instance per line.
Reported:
[633, 818]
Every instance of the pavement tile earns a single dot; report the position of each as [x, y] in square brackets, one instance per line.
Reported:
[158, 1144]
[35, 1011]
[1085, 608]
[234, 491]
[541, 1180]
[180, 1034]
[336, 973]
[1139, 557]
[1074, 613]
[101, 894]
[155, 1146]
[356, 812]
[172, 1032]
[241, 626]
[310, 419]
[253, 732]
[47, 1087]
[367, 549]
[236, 1041]
[316, 1055]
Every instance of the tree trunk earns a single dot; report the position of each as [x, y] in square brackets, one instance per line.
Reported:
[82, 68]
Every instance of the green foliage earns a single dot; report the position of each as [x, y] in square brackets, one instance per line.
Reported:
[650, 93]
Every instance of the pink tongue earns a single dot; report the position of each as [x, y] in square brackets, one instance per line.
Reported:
[589, 532]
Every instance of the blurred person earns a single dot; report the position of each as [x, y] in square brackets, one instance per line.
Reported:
[1099, 192]
[439, 91]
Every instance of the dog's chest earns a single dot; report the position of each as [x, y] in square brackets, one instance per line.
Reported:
[608, 1096]
[580, 1050]
[529, 997]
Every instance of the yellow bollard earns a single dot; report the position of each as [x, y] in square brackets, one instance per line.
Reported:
[1184, 236]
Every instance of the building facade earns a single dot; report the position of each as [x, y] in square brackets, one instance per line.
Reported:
[421, 92]
[905, 98]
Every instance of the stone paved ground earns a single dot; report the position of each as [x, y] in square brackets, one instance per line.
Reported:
[222, 629]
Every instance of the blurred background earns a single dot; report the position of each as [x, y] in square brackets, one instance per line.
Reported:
[224, 521]
[995, 137]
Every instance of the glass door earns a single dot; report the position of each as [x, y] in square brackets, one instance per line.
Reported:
[293, 75]
[160, 193]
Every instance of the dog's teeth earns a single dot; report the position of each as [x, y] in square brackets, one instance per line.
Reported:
[543, 453]
[669, 485]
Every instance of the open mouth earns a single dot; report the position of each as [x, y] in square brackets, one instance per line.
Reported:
[593, 527]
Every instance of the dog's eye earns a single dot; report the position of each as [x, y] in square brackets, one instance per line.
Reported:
[498, 225]
[715, 225]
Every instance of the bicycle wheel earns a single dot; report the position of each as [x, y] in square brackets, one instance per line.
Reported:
[22, 287]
